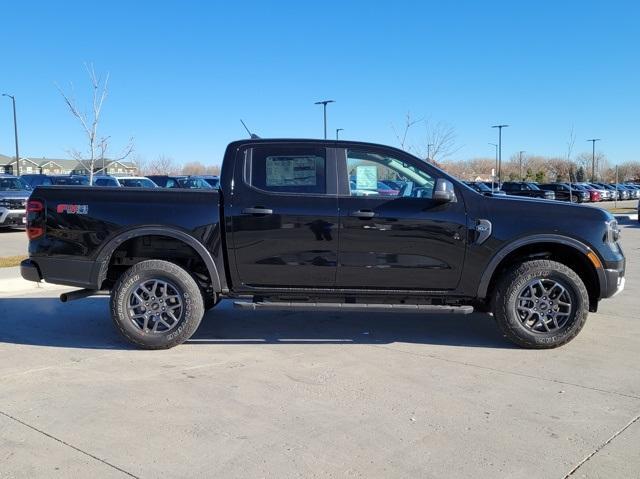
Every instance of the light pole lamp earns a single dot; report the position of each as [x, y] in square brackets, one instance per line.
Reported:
[324, 104]
[493, 177]
[338, 130]
[593, 157]
[499, 127]
[15, 131]
[520, 158]
[429, 145]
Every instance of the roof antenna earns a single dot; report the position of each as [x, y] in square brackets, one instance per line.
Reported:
[252, 135]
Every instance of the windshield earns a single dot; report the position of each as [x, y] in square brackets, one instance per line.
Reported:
[533, 186]
[193, 183]
[13, 184]
[137, 183]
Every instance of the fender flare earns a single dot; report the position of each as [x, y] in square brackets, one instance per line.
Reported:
[490, 269]
[104, 256]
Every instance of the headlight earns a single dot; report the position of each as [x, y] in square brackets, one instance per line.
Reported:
[613, 232]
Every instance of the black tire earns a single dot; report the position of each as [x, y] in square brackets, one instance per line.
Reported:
[575, 199]
[184, 299]
[511, 318]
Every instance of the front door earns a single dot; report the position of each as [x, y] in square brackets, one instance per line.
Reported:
[393, 235]
[283, 216]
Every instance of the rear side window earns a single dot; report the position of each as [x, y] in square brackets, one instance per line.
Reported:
[287, 169]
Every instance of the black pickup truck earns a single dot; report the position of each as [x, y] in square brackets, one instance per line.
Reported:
[304, 224]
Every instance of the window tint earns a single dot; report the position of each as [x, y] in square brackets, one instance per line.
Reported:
[377, 174]
[288, 169]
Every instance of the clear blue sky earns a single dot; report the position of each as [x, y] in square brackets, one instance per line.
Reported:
[183, 73]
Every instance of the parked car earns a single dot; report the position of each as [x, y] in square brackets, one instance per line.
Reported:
[14, 193]
[634, 188]
[614, 192]
[440, 247]
[605, 194]
[186, 182]
[526, 188]
[213, 180]
[630, 193]
[482, 188]
[594, 194]
[34, 180]
[106, 180]
[136, 182]
[564, 192]
[70, 180]
[193, 182]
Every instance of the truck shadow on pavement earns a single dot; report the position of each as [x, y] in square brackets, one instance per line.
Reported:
[86, 324]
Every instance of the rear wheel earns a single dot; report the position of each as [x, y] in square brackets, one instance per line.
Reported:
[156, 305]
[541, 304]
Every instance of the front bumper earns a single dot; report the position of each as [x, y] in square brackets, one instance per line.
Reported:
[12, 217]
[614, 281]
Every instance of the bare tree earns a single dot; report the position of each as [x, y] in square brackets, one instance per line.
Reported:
[162, 165]
[193, 168]
[441, 141]
[402, 137]
[97, 145]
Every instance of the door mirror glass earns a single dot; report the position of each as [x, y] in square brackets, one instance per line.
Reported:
[444, 191]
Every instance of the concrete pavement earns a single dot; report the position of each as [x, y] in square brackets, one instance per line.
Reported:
[284, 394]
[13, 242]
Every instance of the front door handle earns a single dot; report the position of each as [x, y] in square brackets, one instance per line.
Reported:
[257, 210]
[363, 214]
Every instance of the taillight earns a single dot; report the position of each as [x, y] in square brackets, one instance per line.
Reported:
[34, 206]
[34, 232]
[35, 219]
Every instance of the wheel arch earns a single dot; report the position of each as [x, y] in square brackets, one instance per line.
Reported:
[103, 259]
[563, 249]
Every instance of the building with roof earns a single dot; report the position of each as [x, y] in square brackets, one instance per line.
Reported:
[51, 166]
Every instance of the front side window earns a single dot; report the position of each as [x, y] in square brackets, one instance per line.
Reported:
[287, 169]
[376, 174]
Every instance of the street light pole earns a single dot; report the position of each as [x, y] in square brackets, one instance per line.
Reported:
[493, 177]
[499, 127]
[593, 157]
[429, 145]
[324, 107]
[15, 131]
[338, 130]
[520, 153]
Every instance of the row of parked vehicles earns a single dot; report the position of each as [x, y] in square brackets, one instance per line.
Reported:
[15, 190]
[152, 181]
[574, 192]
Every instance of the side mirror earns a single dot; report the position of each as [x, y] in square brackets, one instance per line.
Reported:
[444, 191]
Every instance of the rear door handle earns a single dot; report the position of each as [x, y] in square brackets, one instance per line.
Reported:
[257, 210]
[363, 214]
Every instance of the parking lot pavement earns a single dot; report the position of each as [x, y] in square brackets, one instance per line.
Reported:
[13, 242]
[284, 394]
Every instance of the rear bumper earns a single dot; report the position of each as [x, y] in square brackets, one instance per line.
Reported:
[65, 271]
[29, 271]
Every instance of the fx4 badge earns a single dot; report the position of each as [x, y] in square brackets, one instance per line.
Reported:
[73, 209]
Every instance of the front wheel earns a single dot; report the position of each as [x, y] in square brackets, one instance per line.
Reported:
[540, 304]
[156, 305]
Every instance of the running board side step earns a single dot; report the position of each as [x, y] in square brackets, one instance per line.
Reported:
[396, 308]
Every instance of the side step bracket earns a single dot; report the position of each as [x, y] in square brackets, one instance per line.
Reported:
[396, 308]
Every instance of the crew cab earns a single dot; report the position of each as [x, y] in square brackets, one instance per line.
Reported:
[301, 224]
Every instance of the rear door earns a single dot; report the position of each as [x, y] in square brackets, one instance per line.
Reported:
[404, 240]
[283, 216]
